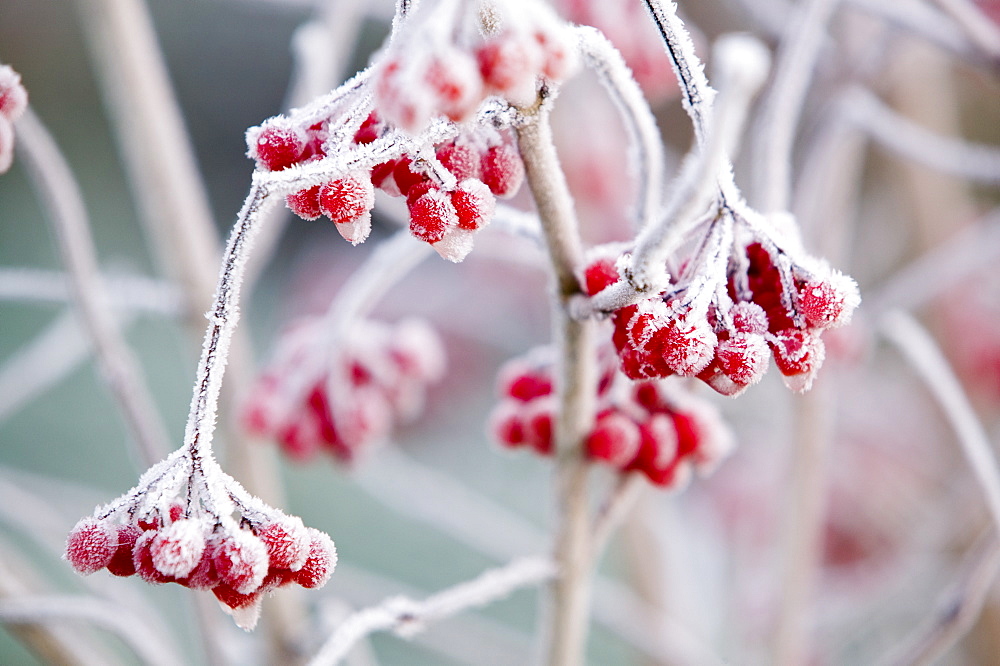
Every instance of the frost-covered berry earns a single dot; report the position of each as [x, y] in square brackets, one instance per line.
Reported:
[305, 203]
[347, 198]
[431, 215]
[320, 563]
[686, 346]
[241, 561]
[539, 418]
[507, 423]
[460, 158]
[405, 176]
[91, 545]
[287, 543]
[748, 317]
[277, 144]
[615, 439]
[13, 96]
[142, 556]
[743, 358]
[454, 80]
[177, 549]
[828, 303]
[474, 204]
[122, 563]
[509, 65]
[502, 170]
[798, 355]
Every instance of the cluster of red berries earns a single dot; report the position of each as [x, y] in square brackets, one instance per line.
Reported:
[640, 427]
[416, 84]
[728, 347]
[309, 402]
[13, 102]
[238, 565]
[450, 194]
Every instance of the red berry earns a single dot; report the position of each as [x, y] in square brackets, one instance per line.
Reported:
[461, 159]
[431, 215]
[474, 204]
[305, 203]
[455, 82]
[538, 424]
[320, 563]
[142, 557]
[122, 563]
[230, 597]
[418, 190]
[509, 65]
[599, 275]
[503, 170]
[241, 561]
[615, 438]
[798, 355]
[91, 545]
[827, 303]
[686, 347]
[348, 198]
[287, 543]
[368, 131]
[177, 549]
[404, 175]
[276, 145]
[507, 423]
[743, 358]
[748, 317]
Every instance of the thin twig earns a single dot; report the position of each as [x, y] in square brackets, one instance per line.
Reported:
[63, 201]
[621, 499]
[645, 143]
[126, 291]
[407, 617]
[926, 358]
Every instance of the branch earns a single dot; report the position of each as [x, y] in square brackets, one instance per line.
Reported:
[926, 358]
[407, 617]
[646, 145]
[61, 197]
[976, 162]
[980, 30]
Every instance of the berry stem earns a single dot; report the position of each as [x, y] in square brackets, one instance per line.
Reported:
[576, 388]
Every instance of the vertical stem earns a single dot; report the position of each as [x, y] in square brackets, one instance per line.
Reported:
[570, 592]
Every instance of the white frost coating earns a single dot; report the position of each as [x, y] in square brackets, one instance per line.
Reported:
[456, 244]
[245, 617]
[177, 549]
[407, 617]
[356, 231]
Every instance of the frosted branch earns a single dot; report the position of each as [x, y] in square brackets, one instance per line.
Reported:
[44, 610]
[926, 358]
[126, 292]
[918, 18]
[406, 616]
[741, 66]
[976, 162]
[61, 197]
[797, 56]
[645, 143]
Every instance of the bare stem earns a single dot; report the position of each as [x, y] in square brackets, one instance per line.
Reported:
[407, 617]
[62, 199]
[577, 389]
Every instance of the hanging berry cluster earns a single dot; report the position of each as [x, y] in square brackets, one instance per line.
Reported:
[640, 427]
[176, 526]
[724, 329]
[309, 402]
[417, 109]
[13, 102]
